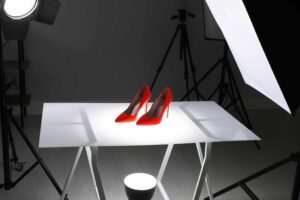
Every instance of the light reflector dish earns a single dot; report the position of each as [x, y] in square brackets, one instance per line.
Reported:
[19, 9]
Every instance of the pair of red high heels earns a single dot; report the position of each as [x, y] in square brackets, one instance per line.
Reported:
[155, 114]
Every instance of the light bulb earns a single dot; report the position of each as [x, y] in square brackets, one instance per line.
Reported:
[19, 9]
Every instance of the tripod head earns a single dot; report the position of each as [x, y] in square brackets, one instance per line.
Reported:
[182, 15]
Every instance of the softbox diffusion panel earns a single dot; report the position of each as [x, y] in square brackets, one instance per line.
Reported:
[234, 21]
[277, 25]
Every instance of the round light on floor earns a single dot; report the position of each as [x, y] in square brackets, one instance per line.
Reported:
[140, 186]
[19, 9]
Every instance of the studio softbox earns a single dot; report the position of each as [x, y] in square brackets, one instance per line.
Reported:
[263, 36]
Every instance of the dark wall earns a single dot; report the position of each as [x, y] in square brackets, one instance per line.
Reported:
[104, 50]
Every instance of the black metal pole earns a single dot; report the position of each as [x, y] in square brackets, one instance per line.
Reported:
[249, 191]
[239, 95]
[17, 165]
[183, 47]
[296, 187]
[25, 173]
[222, 86]
[4, 121]
[192, 66]
[35, 153]
[21, 80]
[202, 79]
[222, 80]
[251, 177]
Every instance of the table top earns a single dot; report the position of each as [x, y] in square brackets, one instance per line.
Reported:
[92, 124]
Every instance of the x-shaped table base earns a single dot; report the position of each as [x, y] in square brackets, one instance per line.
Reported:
[92, 155]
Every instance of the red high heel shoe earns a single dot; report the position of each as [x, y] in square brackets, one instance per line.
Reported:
[155, 114]
[141, 98]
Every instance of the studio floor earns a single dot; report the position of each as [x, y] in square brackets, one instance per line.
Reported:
[230, 162]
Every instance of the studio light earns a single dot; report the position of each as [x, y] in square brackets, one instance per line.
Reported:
[261, 36]
[19, 9]
[140, 186]
[16, 16]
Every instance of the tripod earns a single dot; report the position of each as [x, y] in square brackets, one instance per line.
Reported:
[227, 89]
[7, 139]
[185, 52]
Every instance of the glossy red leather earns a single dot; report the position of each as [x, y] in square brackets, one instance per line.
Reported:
[159, 106]
[140, 99]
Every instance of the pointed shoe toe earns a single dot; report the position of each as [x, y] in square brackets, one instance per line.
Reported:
[123, 117]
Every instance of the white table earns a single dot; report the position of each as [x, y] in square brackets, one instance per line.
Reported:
[90, 125]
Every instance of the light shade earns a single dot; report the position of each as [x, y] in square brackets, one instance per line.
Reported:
[238, 30]
[47, 11]
[19, 9]
[15, 29]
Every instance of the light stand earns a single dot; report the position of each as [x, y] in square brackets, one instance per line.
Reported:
[7, 141]
[226, 88]
[185, 52]
[263, 64]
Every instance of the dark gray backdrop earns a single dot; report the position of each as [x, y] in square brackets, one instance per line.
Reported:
[104, 50]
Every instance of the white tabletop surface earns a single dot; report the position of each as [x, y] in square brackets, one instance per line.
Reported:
[92, 124]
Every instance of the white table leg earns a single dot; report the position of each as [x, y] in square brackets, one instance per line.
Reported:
[92, 154]
[71, 174]
[207, 182]
[203, 171]
[162, 171]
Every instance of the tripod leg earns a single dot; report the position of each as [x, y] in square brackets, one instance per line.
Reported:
[17, 165]
[21, 81]
[222, 86]
[186, 72]
[239, 96]
[5, 148]
[202, 79]
[164, 58]
[231, 90]
[296, 187]
[213, 93]
[192, 66]
[252, 177]
[35, 153]
[181, 42]
[4, 121]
